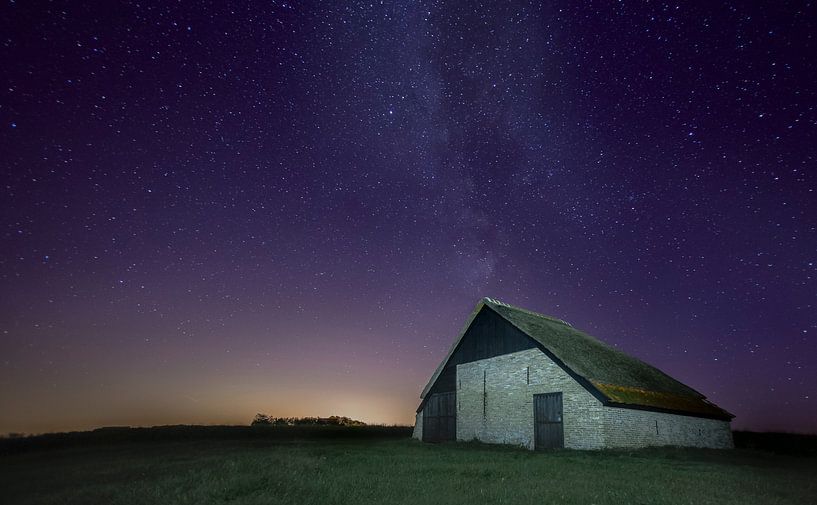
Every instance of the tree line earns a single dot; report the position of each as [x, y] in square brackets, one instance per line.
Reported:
[265, 420]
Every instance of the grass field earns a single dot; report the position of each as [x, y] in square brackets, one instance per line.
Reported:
[383, 467]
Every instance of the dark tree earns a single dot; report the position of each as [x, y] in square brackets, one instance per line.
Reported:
[261, 419]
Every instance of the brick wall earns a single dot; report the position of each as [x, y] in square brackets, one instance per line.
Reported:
[511, 381]
[641, 428]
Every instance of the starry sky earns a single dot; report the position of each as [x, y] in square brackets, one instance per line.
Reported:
[214, 209]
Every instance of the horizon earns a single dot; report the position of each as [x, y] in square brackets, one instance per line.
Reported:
[162, 418]
[214, 211]
[10, 435]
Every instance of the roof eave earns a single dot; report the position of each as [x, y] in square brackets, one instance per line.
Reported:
[726, 416]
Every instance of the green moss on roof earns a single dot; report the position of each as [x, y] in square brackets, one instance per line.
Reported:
[645, 398]
[619, 377]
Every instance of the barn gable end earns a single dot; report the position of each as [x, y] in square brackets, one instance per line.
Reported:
[486, 335]
[495, 401]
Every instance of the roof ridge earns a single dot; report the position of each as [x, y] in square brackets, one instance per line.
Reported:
[520, 309]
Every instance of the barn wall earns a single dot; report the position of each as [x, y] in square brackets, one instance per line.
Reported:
[488, 335]
[508, 414]
[641, 428]
[418, 426]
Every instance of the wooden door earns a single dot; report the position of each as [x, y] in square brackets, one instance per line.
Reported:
[547, 421]
[440, 417]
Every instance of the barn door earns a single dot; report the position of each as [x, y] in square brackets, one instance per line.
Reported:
[547, 421]
[440, 417]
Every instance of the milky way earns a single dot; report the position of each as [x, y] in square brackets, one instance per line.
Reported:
[210, 211]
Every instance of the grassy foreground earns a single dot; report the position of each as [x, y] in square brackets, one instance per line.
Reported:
[304, 468]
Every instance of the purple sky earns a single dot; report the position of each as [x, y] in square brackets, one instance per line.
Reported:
[210, 211]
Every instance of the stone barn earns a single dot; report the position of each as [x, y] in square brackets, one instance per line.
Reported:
[517, 377]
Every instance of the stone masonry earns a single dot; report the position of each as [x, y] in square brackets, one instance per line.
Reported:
[505, 416]
[510, 382]
[641, 428]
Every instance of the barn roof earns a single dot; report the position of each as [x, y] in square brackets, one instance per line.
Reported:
[614, 377]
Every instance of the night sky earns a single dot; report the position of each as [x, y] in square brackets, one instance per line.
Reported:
[210, 211]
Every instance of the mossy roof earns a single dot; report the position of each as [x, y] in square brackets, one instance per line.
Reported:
[611, 375]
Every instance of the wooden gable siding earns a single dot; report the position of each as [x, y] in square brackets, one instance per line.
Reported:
[489, 335]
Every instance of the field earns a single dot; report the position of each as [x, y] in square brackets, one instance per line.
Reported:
[358, 466]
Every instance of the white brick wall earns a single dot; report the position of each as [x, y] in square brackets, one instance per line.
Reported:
[641, 428]
[508, 415]
[508, 411]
